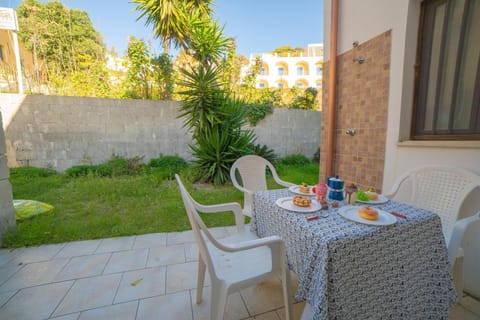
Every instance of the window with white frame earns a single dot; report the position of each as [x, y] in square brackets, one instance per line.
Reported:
[299, 71]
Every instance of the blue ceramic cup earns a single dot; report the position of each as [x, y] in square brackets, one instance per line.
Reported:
[335, 183]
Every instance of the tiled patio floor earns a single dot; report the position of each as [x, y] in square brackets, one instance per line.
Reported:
[140, 277]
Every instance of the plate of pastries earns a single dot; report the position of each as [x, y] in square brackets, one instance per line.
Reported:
[367, 215]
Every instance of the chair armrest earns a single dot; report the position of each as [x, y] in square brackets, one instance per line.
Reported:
[230, 206]
[457, 236]
[283, 183]
[271, 241]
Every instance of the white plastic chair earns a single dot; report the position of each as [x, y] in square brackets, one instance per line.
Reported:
[236, 262]
[252, 170]
[442, 190]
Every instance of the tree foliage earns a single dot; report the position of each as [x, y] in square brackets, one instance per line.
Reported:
[67, 49]
[171, 18]
[148, 76]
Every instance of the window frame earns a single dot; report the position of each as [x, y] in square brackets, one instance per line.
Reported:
[418, 117]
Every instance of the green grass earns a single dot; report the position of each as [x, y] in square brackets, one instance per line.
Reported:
[92, 207]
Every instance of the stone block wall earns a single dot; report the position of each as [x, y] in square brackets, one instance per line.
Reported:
[7, 215]
[362, 104]
[59, 132]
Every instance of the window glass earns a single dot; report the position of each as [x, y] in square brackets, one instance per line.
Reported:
[281, 71]
[299, 71]
[468, 68]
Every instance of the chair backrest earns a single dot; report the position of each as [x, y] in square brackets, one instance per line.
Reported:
[252, 170]
[199, 228]
[441, 190]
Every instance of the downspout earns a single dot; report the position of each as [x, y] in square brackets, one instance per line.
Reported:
[332, 89]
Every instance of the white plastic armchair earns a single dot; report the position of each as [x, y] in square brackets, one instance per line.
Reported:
[442, 190]
[252, 171]
[235, 262]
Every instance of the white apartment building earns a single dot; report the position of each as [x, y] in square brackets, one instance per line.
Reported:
[301, 71]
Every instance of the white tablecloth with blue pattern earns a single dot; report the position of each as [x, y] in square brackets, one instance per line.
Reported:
[348, 270]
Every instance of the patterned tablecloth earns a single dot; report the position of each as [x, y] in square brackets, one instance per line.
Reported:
[348, 270]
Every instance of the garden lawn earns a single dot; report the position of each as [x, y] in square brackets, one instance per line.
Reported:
[99, 207]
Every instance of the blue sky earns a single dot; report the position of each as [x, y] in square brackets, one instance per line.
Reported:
[258, 25]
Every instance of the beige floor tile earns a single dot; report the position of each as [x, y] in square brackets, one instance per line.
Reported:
[172, 306]
[180, 237]
[34, 274]
[84, 266]
[115, 244]
[150, 240]
[183, 277]
[471, 304]
[36, 302]
[141, 284]
[126, 261]
[78, 248]
[457, 312]
[7, 272]
[297, 311]
[122, 311]
[37, 254]
[89, 293]
[235, 309]
[267, 316]
[161, 256]
[71, 316]
[191, 252]
[4, 297]
[263, 297]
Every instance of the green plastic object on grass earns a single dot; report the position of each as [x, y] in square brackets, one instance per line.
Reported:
[25, 209]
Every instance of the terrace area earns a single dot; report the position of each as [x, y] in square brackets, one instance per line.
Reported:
[151, 276]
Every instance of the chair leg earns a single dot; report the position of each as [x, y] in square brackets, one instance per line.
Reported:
[219, 300]
[200, 279]
[287, 297]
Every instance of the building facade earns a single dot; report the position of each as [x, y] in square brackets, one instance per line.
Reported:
[301, 71]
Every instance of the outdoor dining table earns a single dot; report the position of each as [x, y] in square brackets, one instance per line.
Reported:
[351, 270]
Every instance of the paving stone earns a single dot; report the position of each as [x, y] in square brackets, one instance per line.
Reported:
[115, 244]
[234, 310]
[7, 272]
[150, 240]
[173, 306]
[37, 254]
[89, 293]
[183, 277]
[78, 248]
[180, 237]
[141, 284]
[160, 256]
[126, 261]
[34, 274]
[84, 266]
[5, 296]
[36, 302]
[123, 311]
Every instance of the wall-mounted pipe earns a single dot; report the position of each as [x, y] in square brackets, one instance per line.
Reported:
[332, 90]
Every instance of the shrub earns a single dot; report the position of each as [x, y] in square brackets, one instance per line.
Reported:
[121, 166]
[78, 171]
[294, 160]
[32, 172]
[316, 156]
[167, 166]
[264, 152]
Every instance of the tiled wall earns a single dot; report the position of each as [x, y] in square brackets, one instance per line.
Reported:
[362, 103]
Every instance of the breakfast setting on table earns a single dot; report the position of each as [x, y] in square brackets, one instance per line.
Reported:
[358, 254]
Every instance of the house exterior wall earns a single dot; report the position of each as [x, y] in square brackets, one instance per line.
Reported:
[365, 20]
[310, 77]
[61, 132]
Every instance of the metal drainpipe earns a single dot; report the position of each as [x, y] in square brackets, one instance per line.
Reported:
[332, 89]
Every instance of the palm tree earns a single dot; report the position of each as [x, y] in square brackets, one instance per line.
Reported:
[170, 18]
